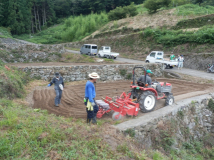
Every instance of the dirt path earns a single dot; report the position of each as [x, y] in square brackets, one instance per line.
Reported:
[72, 98]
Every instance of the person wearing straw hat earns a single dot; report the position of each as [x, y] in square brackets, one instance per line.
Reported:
[58, 86]
[90, 94]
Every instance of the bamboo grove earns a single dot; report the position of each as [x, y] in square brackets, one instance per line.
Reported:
[31, 16]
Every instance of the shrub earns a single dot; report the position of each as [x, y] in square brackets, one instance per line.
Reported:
[12, 82]
[152, 5]
[123, 72]
[123, 12]
[211, 105]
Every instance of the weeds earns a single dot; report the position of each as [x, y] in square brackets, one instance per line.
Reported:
[193, 9]
[180, 114]
[211, 105]
[123, 72]
[130, 132]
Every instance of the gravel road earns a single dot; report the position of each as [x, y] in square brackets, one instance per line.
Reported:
[194, 73]
[124, 60]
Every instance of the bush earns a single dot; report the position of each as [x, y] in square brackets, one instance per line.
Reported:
[123, 12]
[152, 5]
[211, 105]
[172, 38]
[12, 82]
[76, 28]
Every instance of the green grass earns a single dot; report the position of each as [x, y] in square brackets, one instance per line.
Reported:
[193, 9]
[5, 33]
[27, 133]
[47, 36]
[12, 82]
[141, 9]
[173, 38]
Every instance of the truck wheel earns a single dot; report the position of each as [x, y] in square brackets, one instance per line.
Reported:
[115, 57]
[147, 61]
[107, 56]
[169, 100]
[99, 55]
[80, 52]
[147, 101]
[170, 67]
[116, 116]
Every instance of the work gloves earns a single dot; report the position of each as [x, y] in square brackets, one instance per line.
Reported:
[49, 85]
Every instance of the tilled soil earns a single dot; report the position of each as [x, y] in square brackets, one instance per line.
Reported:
[72, 97]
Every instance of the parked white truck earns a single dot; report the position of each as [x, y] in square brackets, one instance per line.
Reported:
[158, 57]
[105, 51]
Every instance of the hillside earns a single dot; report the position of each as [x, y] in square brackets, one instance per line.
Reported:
[186, 29]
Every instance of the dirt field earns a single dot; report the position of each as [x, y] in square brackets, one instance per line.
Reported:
[72, 98]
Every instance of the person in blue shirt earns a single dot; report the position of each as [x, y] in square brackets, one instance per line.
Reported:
[58, 86]
[90, 94]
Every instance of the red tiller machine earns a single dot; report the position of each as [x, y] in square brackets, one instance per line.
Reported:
[141, 97]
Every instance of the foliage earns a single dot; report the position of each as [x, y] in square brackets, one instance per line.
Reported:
[27, 133]
[5, 33]
[123, 72]
[129, 76]
[48, 36]
[123, 12]
[192, 9]
[172, 38]
[195, 22]
[130, 132]
[154, 5]
[76, 28]
[175, 3]
[211, 105]
[12, 82]
[32, 16]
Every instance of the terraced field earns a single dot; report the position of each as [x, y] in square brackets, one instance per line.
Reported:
[72, 98]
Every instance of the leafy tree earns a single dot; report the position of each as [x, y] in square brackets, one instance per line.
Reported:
[122, 12]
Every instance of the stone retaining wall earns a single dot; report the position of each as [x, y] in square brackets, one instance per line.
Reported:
[198, 62]
[78, 73]
[19, 52]
[185, 121]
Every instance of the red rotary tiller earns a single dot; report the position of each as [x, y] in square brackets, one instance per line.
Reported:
[141, 97]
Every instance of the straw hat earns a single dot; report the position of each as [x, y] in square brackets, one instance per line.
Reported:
[94, 75]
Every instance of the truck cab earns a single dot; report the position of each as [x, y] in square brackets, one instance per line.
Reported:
[154, 56]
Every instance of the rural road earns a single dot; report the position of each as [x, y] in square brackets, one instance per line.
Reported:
[194, 73]
[124, 60]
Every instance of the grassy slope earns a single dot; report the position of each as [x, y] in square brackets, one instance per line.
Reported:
[34, 134]
[134, 44]
[4, 33]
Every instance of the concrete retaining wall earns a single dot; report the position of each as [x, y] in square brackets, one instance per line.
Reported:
[78, 73]
[182, 122]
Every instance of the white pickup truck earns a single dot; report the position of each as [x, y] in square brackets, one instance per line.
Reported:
[157, 57]
[105, 51]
